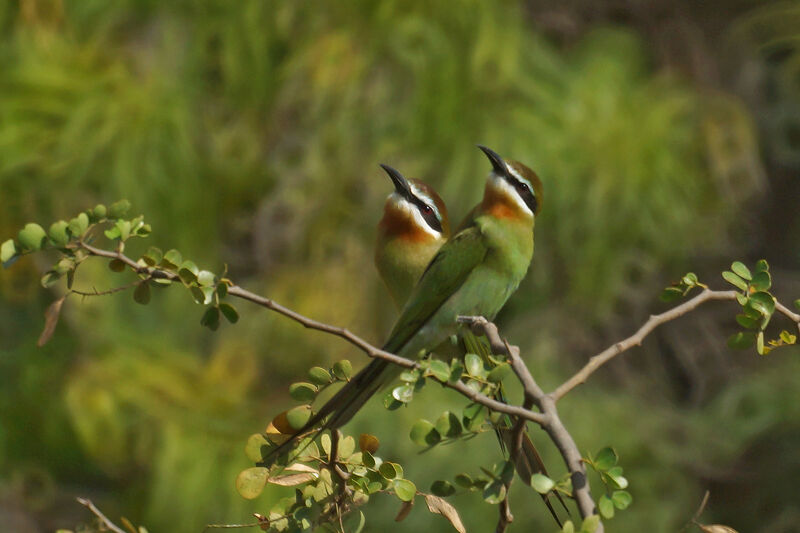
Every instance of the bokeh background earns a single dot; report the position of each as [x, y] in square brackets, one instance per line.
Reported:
[249, 133]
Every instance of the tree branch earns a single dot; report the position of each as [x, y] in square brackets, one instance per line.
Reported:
[99, 514]
[636, 339]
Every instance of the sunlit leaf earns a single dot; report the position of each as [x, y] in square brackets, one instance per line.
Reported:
[590, 524]
[439, 369]
[541, 483]
[7, 251]
[742, 271]
[605, 506]
[250, 482]
[32, 237]
[494, 493]
[761, 281]
[605, 458]
[298, 416]
[734, 280]
[404, 489]
[302, 392]
[319, 375]
[58, 233]
[473, 364]
[253, 447]
[622, 499]
[424, 433]
[342, 369]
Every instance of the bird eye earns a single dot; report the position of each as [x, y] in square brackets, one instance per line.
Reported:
[427, 209]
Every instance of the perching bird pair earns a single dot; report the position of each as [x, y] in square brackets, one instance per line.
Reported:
[435, 278]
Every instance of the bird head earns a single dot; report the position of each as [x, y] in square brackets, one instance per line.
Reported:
[414, 211]
[512, 190]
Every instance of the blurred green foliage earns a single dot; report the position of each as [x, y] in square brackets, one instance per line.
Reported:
[250, 133]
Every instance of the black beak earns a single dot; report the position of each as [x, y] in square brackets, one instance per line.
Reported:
[498, 164]
[401, 186]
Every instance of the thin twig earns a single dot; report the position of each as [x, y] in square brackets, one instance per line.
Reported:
[788, 312]
[95, 292]
[343, 333]
[636, 339]
[99, 514]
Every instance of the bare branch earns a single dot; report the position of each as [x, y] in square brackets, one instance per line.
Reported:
[99, 514]
[636, 339]
[788, 312]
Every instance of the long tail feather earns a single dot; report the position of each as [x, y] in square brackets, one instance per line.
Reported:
[337, 411]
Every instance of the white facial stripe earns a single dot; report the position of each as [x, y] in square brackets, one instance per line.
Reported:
[412, 211]
[502, 185]
[516, 174]
[419, 193]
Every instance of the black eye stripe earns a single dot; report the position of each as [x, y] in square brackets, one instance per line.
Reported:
[428, 214]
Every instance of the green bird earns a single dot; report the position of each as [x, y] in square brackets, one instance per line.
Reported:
[474, 273]
[413, 228]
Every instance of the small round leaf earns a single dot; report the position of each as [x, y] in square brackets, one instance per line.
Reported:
[319, 375]
[405, 489]
[302, 392]
[250, 482]
[298, 416]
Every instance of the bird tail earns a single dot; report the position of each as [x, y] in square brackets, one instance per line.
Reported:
[337, 411]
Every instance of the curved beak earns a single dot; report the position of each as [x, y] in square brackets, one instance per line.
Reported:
[401, 185]
[498, 164]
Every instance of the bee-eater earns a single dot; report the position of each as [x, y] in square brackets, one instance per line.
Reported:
[413, 228]
[474, 273]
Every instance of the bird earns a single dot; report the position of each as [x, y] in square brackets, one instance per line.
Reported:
[413, 227]
[473, 273]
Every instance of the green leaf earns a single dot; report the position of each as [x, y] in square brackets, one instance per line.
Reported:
[319, 375]
[763, 302]
[141, 294]
[342, 370]
[615, 474]
[388, 470]
[424, 433]
[456, 370]
[439, 369]
[250, 482]
[605, 459]
[58, 233]
[499, 372]
[403, 393]
[449, 425]
[79, 225]
[494, 493]
[347, 446]
[303, 392]
[541, 483]
[741, 340]
[473, 416]
[797, 304]
[50, 278]
[443, 488]
[198, 295]
[31, 237]
[253, 447]
[740, 270]
[188, 272]
[99, 211]
[230, 312]
[474, 365]
[8, 250]
[622, 499]
[172, 259]
[787, 337]
[762, 265]
[210, 318]
[298, 416]
[760, 343]
[569, 527]
[112, 233]
[606, 507]
[404, 489]
[205, 278]
[746, 321]
[734, 280]
[119, 209]
[670, 294]
[762, 281]
[116, 265]
[464, 480]
[690, 279]
[124, 227]
[222, 290]
[590, 524]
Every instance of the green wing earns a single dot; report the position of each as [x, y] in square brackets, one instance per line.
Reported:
[446, 272]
